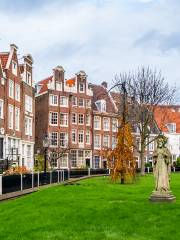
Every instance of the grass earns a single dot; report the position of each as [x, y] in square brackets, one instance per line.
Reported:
[94, 209]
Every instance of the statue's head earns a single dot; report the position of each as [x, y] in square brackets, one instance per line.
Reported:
[161, 141]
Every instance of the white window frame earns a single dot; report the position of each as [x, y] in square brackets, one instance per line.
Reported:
[74, 114]
[53, 137]
[62, 103]
[51, 117]
[114, 124]
[104, 137]
[63, 144]
[64, 119]
[14, 69]
[74, 131]
[99, 125]
[81, 106]
[83, 90]
[28, 103]
[11, 89]
[88, 119]
[88, 134]
[17, 118]
[81, 136]
[11, 116]
[53, 100]
[17, 92]
[28, 127]
[98, 146]
[106, 125]
[80, 122]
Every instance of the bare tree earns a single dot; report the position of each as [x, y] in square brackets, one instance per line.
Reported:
[146, 89]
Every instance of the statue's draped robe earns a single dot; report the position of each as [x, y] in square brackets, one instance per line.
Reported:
[162, 169]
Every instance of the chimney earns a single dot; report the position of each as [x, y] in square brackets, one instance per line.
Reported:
[13, 47]
[104, 84]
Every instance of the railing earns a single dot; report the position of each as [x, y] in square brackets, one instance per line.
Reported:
[76, 173]
[20, 182]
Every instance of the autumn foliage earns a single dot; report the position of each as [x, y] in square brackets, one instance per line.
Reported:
[16, 170]
[120, 159]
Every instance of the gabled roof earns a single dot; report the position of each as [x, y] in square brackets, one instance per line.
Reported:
[4, 58]
[99, 93]
[44, 84]
[167, 114]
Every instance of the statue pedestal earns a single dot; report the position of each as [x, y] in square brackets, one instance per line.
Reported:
[162, 197]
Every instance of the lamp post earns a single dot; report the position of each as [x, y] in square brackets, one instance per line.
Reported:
[45, 145]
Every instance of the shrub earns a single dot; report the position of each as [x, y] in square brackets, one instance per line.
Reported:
[16, 170]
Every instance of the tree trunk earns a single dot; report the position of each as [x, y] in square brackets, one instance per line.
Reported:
[142, 163]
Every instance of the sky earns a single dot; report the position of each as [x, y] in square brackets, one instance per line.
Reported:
[101, 37]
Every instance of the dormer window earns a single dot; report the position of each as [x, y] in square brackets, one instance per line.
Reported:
[171, 127]
[14, 68]
[101, 105]
[81, 87]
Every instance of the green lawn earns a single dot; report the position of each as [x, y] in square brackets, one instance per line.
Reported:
[94, 209]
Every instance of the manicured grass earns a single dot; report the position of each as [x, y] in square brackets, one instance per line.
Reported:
[94, 209]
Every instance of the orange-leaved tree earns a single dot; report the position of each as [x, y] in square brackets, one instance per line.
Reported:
[120, 159]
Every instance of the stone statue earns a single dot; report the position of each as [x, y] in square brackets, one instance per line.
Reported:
[162, 169]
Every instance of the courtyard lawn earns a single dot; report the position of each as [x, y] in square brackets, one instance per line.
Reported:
[92, 209]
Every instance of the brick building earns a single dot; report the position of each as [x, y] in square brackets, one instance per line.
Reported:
[63, 113]
[17, 109]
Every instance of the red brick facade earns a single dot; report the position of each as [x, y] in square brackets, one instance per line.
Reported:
[17, 126]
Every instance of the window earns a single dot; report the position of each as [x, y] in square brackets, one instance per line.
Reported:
[106, 141]
[87, 119]
[53, 138]
[81, 119]
[1, 109]
[101, 105]
[28, 78]
[97, 141]
[17, 118]
[28, 126]
[17, 92]
[63, 139]
[114, 141]
[63, 101]
[106, 124]
[97, 123]
[74, 101]
[81, 102]
[63, 119]
[53, 118]
[14, 68]
[73, 136]
[11, 116]
[114, 125]
[80, 158]
[81, 87]
[28, 149]
[87, 137]
[151, 145]
[53, 158]
[73, 158]
[88, 103]
[171, 127]
[53, 100]
[81, 136]
[64, 160]
[74, 118]
[28, 103]
[11, 89]
[96, 161]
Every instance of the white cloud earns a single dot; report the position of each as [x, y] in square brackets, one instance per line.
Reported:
[97, 36]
